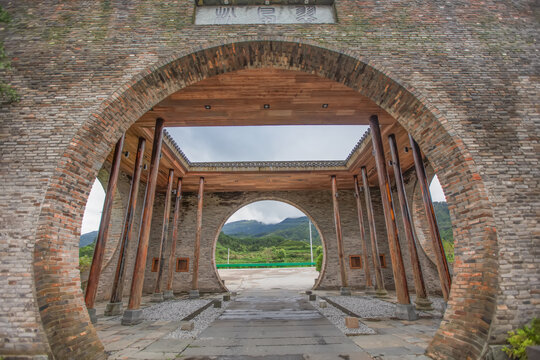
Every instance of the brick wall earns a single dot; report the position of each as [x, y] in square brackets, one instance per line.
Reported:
[461, 77]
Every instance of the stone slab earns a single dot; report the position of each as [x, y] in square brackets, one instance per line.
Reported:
[266, 14]
[168, 345]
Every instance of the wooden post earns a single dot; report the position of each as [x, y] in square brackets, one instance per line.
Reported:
[195, 280]
[440, 257]
[369, 284]
[114, 307]
[168, 294]
[379, 280]
[337, 219]
[422, 301]
[101, 241]
[158, 296]
[133, 315]
[398, 268]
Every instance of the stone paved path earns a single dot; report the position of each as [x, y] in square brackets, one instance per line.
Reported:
[272, 324]
[266, 324]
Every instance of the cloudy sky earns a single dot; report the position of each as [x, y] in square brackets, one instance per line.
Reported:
[256, 143]
[267, 143]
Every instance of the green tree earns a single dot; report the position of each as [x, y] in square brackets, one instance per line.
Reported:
[318, 262]
[267, 254]
[84, 263]
[7, 93]
[449, 250]
[279, 254]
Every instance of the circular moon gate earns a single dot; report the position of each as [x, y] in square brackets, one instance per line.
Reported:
[279, 199]
[58, 284]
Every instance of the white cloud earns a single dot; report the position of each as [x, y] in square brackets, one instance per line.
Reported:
[436, 190]
[94, 207]
[266, 211]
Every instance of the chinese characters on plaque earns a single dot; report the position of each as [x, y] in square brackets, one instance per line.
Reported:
[271, 14]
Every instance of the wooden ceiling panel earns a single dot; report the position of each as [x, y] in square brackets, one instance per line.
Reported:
[238, 99]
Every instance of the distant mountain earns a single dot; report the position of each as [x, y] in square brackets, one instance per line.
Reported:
[245, 227]
[290, 229]
[87, 239]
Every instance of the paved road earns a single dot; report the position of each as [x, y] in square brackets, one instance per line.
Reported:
[273, 324]
[299, 278]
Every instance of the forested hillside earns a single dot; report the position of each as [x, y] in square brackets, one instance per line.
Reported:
[290, 229]
[251, 241]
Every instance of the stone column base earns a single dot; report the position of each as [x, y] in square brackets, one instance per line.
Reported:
[381, 293]
[345, 291]
[157, 297]
[168, 295]
[370, 290]
[193, 294]
[93, 315]
[406, 312]
[132, 317]
[113, 309]
[423, 304]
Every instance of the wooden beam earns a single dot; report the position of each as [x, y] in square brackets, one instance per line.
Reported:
[339, 237]
[118, 284]
[142, 250]
[164, 233]
[363, 240]
[398, 269]
[101, 241]
[197, 249]
[440, 257]
[419, 285]
[379, 280]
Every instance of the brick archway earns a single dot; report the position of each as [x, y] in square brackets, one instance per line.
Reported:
[283, 200]
[465, 329]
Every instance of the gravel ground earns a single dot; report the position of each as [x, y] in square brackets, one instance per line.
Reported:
[337, 317]
[365, 307]
[201, 322]
[174, 310]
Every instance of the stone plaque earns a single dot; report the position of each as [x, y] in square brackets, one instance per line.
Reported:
[264, 14]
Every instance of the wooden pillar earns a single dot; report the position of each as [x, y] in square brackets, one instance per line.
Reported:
[195, 280]
[101, 241]
[133, 315]
[440, 258]
[337, 219]
[379, 280]
[369, 284]
[422, 301]
[398, 268]
[114, 307]
[168, 294]
[158, 296]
